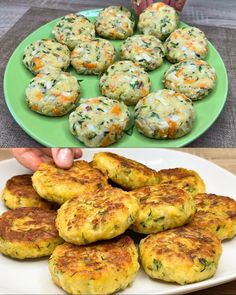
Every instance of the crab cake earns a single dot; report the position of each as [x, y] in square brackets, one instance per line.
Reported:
[99, 121]
[115, 22]
[93, 57]
[162, 207]
[159, 20]
[181, 255]
[186, 43]
[46, 52]
[125, 81]
[59, 185]
[28, 233]
[53, 93]
[217, 214]
[164, 114]
[194, 78]
[127, 173]
[100, 268]
[188, 180]
[96, 216]
[19, 192]
[73, 28]
[147, 51]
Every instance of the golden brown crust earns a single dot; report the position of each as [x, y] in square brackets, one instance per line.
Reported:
[128, 173]
[183, 255]
[59, 185]
[100, 216]
[217, 214]
[94, 259]
[21, 185]
[28, 224]
[182, 178]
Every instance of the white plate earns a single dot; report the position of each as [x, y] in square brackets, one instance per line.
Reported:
[32, 277]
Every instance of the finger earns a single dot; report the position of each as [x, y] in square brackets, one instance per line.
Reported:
[30, 158]
[63, 158]
[77, 153]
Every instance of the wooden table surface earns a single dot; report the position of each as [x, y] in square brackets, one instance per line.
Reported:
[201, 12]
[225, 158]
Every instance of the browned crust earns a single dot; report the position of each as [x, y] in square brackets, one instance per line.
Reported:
[131, 164]
[160, 194]
[42, 218]
[95, 258]
[215, 203]
[21, 186]
[185, 242]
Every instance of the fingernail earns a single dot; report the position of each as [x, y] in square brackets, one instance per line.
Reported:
[65, 158]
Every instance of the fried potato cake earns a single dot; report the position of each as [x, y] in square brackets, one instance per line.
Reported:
[162, 207]
[59, 185]
[19, 192]
[98, 216]
[127, 173]
[182, 178]
[217, 214]
[181, 255]
[100, 268]
[28, 233]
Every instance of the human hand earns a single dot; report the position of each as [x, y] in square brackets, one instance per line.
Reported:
[32, 157]
[140, 5]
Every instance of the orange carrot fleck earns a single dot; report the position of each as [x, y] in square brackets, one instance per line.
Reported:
[116, 110]
[89, 65]
[38, 63]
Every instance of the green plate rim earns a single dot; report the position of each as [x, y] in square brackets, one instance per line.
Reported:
[90, 13]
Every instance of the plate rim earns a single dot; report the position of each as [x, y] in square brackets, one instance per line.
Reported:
[47, 144]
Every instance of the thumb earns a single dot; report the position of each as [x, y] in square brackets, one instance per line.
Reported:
[63, 158]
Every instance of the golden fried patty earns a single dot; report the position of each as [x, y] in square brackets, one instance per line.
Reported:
[181, 255]
[129, 174]
[182, 178]
[19, 192]
[217, 214]
[58, 185]
[28, 233]
[100, 268]
[96, 216]
[162, 207]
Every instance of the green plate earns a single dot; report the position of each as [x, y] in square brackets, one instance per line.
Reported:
[54, 132]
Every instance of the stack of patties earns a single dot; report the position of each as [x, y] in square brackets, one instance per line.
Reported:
[91, 252]
[184, 224]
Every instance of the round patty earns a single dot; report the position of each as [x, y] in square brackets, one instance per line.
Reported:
[28, 233]
[194, 78]
[125, 81]
[159, 20]
[99, 121]
[127, 173]
[58, 185]
[188, 180]
[73, 28]
[162, 207]
[93, 57]
[96, 216]
[147, 51]
[217, 214]
[180, 255]
[100, 268]
[186, 43]
[115, 22]
[46, 53]
[164, 114]
[19, 192]
[53, 93]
